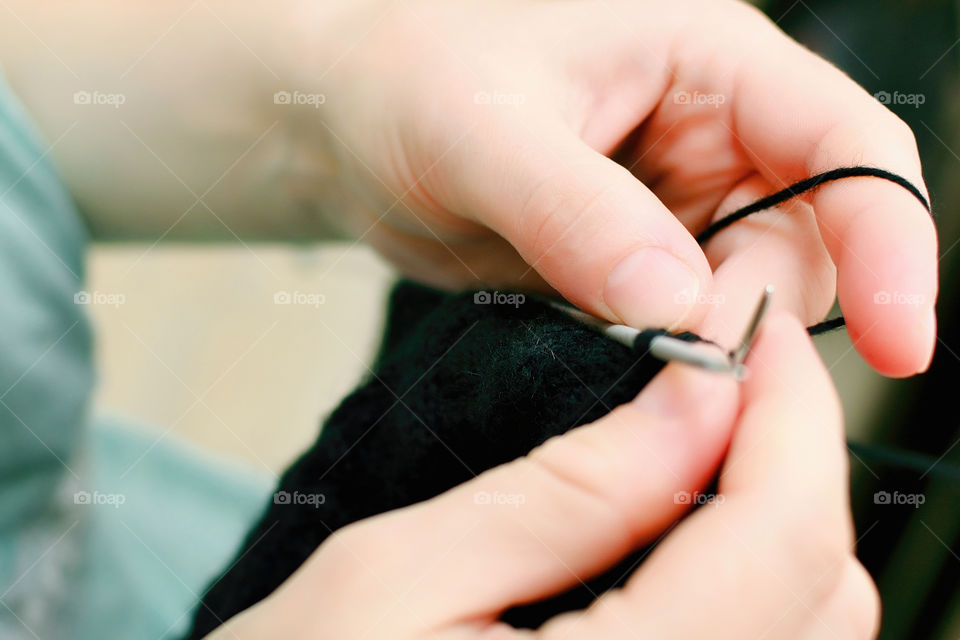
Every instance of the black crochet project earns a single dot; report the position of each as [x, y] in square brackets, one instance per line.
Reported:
[459, 387]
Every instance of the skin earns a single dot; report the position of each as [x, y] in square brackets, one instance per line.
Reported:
[470, 143]
[772, 557]
[572, 147]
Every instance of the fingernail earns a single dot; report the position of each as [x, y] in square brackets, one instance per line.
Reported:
[651, 288]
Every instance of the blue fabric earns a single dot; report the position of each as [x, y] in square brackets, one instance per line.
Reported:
[106, 531]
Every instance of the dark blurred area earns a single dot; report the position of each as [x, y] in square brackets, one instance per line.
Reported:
[906, 488]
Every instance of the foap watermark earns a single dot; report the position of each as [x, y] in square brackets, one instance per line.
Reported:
[698, 498]
[299, 97]
[114, 100]
[498, 297]
[687, 297]
[499, 98]
[297, 498]
[97, 498]
[299, 298]
[912, 99]
[699, 98]
[896, 498]
[899, 298]
[100, 297]
[514, 500]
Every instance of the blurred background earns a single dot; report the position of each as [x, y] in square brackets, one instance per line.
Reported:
[194, 353]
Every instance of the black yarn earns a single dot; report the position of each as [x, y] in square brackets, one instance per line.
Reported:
[458, 388]
[826, 326]
[799, 188]
[808, 184]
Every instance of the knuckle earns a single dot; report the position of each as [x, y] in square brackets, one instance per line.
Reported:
[584, 466]
[356, 563]
[903, 134]
[558, 204]
[888, 130]
[344, 556]
[544, 213]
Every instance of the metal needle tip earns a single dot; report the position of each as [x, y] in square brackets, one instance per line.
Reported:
[703, 354]
[738, 355]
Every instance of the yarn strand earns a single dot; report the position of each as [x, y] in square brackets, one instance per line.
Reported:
[799, 188]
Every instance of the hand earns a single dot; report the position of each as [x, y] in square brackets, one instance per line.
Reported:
[470, 143]
[476, 136]
[770, 555]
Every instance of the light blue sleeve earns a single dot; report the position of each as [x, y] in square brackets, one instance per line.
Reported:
[105, 531]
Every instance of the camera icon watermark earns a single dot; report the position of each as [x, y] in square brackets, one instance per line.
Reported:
[896, 498]
[299, 298]
[899, 298]
[115, 100]
[299, 98]
[688, 297]
[697, 498]
[499, 98]
[99, 297]
[515, 500]
[896, 98]
[498, 297]
[297, 498]
[698, 98]
[97, 498]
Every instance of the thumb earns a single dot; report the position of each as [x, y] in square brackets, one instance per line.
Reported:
[546, 522]
[591, 229]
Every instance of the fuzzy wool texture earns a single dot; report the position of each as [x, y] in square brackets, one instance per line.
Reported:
[459, 388]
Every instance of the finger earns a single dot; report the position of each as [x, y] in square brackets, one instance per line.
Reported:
[488, 261]
[591, 229]
[852, 611]
[548, 521]
[783, 250]
[791, 430]
[775, 537]
[881, 238]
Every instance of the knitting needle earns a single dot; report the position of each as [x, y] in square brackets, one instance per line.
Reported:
[740, 353]
[668, 348]
[705, 355]
[621, 333]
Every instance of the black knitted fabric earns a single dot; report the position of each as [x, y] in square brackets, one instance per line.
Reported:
[459, 387]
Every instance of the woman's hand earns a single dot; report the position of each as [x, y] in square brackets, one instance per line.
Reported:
[470, 142]
[476, 136]
[771, 555]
